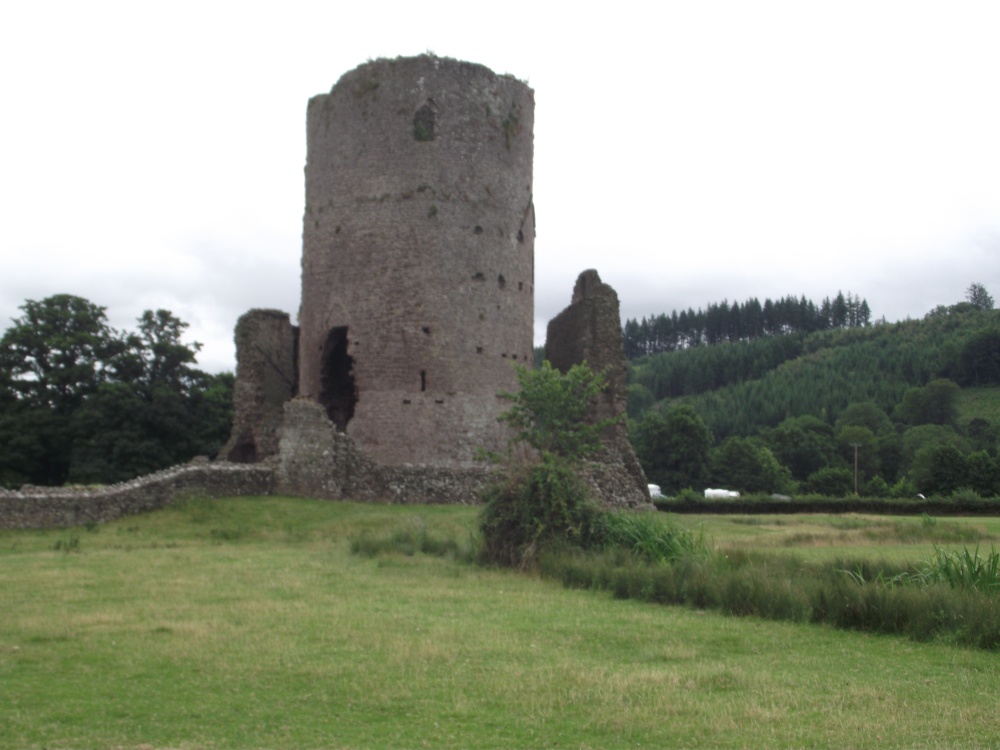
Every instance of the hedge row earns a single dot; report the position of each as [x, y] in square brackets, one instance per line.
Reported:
[960, 505]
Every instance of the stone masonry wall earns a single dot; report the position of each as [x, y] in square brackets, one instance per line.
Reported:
[418, 256]
[315, 460]
[41, 507]
[589, 330]
[266, 377]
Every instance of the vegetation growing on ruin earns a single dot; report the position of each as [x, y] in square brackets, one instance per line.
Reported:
[540, 501]
[540, 498]
[511, 128]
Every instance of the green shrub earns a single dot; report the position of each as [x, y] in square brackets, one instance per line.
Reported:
[531, 506]
[831, 481]
[545, 501]
[876, 487]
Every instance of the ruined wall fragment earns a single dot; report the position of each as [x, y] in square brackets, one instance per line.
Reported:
[266, 377]
[589, 330]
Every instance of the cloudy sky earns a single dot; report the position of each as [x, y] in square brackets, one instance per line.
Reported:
[151, 154]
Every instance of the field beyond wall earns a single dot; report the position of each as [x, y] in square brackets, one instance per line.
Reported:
[250, 623]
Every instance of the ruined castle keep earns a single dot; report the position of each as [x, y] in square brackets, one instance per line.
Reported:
[418, 256]
[417, 294]
[417, 300]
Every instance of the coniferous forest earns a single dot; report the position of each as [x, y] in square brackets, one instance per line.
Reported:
[721, 322]
[789, 407]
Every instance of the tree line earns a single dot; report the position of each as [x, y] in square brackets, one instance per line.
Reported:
[919, 447]
[757, 416]
[82, 402]
[723, 322]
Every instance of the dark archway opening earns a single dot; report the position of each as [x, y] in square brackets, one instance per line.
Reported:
[244, 452]
[338, 394]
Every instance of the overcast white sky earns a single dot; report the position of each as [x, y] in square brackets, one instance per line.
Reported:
[151, 154]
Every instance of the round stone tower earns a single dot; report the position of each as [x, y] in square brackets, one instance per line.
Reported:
[418, 256]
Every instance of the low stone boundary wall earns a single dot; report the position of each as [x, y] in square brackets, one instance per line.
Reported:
[42, 507]
[314, 460]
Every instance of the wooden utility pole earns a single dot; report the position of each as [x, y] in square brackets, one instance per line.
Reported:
[855, 446]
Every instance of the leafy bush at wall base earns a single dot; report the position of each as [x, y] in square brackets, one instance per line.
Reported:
[544, 502]
[545, 505]
[534, 505]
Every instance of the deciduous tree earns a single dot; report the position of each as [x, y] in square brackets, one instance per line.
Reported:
[674, 448]
[978, 297]
[83, 402]
[746, 465]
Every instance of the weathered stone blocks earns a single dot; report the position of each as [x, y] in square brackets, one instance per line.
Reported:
[418, 256]
[589, 330]
[266, 377]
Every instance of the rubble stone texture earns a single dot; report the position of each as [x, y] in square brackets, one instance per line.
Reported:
[418, 256]
[589, 330]
[266, 377]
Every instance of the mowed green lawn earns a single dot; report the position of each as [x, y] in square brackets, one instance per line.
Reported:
[248, 623]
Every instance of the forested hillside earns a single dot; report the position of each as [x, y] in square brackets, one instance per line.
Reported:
[721, 322]
[789, 408]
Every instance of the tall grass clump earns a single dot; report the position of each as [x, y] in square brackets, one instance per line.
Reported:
[963, 569]
[648, 536]
[408, 540]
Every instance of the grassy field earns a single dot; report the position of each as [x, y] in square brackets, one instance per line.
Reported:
[249, 623]
[822, 537]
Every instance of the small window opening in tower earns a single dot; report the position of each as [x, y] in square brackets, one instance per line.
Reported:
[423, 380]
[501, 281]
[426, 330]
[423, 122]
[338, 394]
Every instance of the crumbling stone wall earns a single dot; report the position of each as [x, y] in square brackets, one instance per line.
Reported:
[42, 507]
[266, 377]
[589, 330]
[316, 460]
[418, 256]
